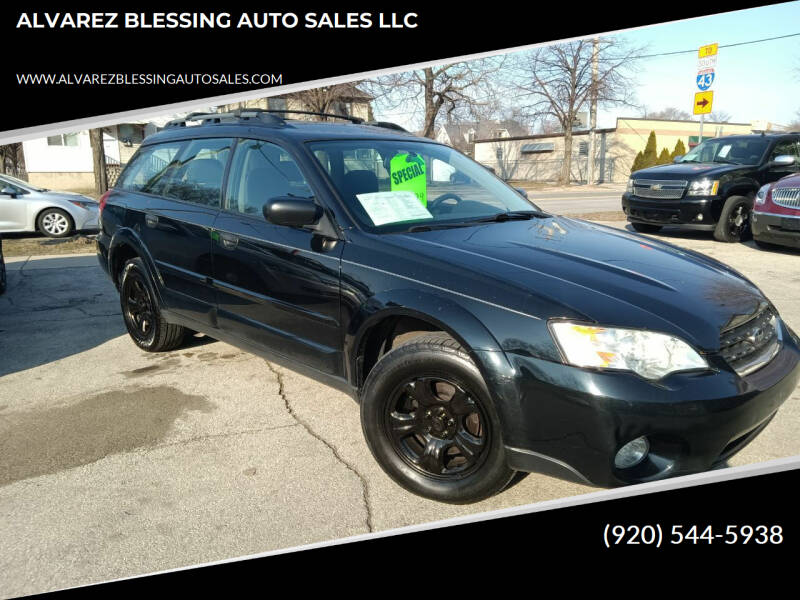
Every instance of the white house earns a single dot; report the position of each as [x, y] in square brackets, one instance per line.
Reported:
[65, 162]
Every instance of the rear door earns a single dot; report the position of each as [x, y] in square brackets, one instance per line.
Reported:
[277, 286]
[179, 189]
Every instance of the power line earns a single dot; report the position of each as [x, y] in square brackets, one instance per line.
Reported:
[779, 37]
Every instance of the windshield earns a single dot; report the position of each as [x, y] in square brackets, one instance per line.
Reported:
[736, 151]
[21, 183]
[398, 185]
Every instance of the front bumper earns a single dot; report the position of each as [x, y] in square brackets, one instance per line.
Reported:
[571, 422]
[695, 212]
[776, 229]
[87, 219]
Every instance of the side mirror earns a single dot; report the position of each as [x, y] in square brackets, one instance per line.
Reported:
[678, 158]
[9, 191]
[784, 160]
[291, 211]
[521, 192]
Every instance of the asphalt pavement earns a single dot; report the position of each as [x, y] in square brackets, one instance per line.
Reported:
[116, 462]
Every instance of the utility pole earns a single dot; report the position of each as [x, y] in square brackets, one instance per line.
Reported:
[590, 176]
[99, 161]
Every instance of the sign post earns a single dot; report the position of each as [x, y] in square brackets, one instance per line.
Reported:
[706, 67]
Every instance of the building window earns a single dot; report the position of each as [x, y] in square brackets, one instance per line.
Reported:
[64, 139]
[538, 148]
[583, 148]
[276, 104]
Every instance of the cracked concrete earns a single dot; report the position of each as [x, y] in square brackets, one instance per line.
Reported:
[331, 447]
[119, 462]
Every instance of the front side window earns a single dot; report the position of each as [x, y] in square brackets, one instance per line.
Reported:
[393, 185]
[788, 147]
[261, 171]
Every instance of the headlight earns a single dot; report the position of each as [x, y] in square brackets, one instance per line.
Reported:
[629, 188]
[704, 187]
[761, 196]
[87, 204]
[649, 354]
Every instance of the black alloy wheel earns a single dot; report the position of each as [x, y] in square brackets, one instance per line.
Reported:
[138, 306]
[436, 426]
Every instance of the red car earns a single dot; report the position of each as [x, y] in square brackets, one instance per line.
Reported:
[776, 213]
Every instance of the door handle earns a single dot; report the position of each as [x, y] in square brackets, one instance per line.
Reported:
[151, 220]
[229, 241]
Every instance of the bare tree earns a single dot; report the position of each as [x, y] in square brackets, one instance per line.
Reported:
[668, 114]
[455, 88]
[12, 159]
[718, 116]
[326, 99]
[558, 80]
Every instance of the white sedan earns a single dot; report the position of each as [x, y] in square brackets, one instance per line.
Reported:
[25, 207]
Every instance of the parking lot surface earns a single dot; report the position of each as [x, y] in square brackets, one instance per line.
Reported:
[115, 462]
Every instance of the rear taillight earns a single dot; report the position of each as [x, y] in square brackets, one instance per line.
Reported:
[103, 200]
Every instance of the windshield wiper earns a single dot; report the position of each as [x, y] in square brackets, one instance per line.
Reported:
[513, 215]
[433, 226]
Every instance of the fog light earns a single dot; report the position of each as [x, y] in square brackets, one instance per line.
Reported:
[632, 453]
[699, 217]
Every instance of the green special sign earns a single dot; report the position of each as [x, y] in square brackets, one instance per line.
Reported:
[408, 174]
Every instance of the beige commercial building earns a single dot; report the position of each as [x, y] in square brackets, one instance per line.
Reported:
[539, 157]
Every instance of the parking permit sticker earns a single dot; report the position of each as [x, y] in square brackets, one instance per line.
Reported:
[407, 172]
[393, 207]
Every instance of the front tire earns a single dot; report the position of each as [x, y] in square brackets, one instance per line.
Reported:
[55, 223]
[645, 227]
[734, 220]
[141, 314]
[429, 421]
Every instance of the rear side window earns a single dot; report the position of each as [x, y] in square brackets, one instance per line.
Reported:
[148, 167]
[196, 175]
[261, 171]
[191, 171]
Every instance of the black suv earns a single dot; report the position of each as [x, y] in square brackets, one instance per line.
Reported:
[479, 334]
[712, 187]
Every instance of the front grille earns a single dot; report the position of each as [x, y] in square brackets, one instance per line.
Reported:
[750, 342]
[668, 189]
[788, 197]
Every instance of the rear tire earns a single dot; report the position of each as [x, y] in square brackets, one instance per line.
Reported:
[734, 220]
[141, 313]
[430, 422]
[646, 227]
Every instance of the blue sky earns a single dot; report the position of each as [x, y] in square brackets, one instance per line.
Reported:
[753, 81]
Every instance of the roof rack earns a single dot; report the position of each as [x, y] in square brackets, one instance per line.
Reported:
[236, 115]
[270, 116]
[386, 125]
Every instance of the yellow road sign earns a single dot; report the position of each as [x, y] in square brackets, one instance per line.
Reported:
[702, 102]
[709, 50]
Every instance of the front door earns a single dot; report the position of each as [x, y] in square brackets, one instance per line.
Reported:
[277, 286]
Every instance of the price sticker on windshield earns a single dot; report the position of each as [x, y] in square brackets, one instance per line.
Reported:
[408, 173]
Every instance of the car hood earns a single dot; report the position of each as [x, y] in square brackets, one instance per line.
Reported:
[50, 195]
[561, 267]
[688, 170]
